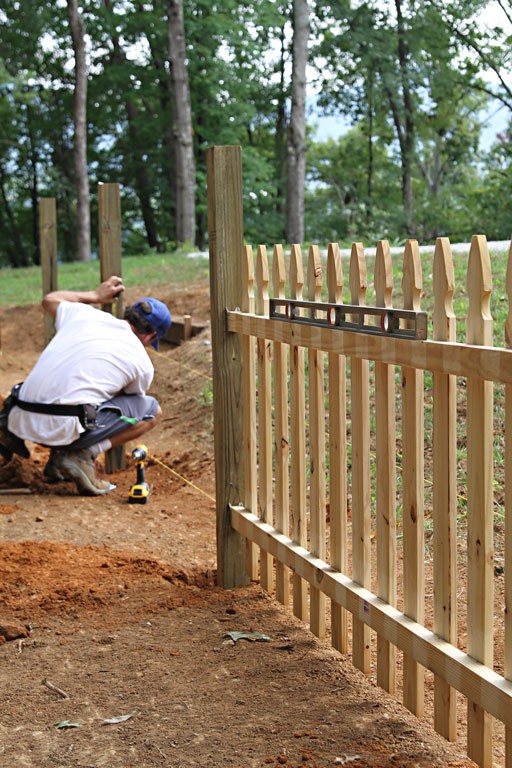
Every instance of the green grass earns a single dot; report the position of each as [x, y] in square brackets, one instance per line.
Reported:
[176, 270]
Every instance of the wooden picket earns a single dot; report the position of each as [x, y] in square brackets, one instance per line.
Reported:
[342, 495]
[385, 426]
[298, 439]
[337, 455]
[444, 487]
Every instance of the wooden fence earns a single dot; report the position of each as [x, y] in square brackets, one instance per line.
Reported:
[335, 497]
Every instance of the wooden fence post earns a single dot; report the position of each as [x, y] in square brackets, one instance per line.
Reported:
[225, 233]
[109, 232]
[48, 246]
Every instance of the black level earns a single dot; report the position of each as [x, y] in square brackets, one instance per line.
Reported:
[405, 323]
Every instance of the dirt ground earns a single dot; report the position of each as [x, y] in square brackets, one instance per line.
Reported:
[117, 652]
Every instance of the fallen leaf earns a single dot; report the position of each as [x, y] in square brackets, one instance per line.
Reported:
[252, 636]
[66, 724]
[115, 720]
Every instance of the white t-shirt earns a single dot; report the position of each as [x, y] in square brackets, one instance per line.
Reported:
[92, 357]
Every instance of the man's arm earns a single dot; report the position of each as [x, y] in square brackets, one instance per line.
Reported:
[105, 293]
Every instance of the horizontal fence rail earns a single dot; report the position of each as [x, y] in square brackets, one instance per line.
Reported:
[342, 513]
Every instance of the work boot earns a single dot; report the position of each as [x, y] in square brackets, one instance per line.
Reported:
[51, 472]
[79, 466]
[9, 442]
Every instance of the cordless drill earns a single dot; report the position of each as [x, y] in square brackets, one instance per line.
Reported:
[139, 492]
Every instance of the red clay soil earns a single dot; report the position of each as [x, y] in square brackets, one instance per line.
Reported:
[116, 650]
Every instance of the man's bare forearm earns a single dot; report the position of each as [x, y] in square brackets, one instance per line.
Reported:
[105, 293]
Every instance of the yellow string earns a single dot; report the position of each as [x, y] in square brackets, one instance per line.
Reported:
[183, 478]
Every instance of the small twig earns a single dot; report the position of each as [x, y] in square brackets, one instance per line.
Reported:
[7, 491]
[54, 688]
[19, 644]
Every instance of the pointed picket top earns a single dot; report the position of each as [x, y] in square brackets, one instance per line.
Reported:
[357, 274]
[247, 280]
[412, 282]
[262, 279]
[278, 272]
[383, 275]
[296, 273]
[508, 288]
[314, 274]
[334, 273]
[444, 286]
[479, 326]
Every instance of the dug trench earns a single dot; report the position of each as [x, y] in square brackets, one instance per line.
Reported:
[119, 649]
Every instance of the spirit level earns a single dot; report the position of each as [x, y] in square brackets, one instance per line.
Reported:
[404, 323]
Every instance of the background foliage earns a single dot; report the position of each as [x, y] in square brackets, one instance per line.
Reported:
[410, 82]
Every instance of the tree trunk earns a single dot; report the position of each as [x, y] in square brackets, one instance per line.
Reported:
[407, 138]
[77, 28]
[19, 252]
[280, 140]
[142, 182]
[369, 183]
[296, 145]
[183, 142]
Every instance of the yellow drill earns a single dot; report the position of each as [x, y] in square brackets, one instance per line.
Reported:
[139, 492]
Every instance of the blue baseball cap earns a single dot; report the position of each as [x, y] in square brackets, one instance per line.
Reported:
[158, 316]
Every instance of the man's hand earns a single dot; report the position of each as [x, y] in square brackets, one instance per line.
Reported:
[109, 290]
[105, 293]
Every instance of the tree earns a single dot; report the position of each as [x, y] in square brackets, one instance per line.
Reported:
[296, 143]
[183, 135]
[77, 27]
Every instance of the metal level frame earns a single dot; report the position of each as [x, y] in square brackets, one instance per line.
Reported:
[403, 323]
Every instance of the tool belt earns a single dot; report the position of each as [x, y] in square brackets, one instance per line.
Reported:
[86, 413]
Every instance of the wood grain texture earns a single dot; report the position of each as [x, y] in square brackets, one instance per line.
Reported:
[48, 248]
[225, 237]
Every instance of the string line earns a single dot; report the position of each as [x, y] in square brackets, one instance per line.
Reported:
[208, 496]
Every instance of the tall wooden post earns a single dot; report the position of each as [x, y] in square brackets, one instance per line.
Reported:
[109, 233]
[48, 247]
[225, 232]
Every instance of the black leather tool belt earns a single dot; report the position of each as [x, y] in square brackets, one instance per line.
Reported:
[86, 413]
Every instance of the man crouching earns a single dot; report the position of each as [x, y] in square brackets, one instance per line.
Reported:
[87, 391]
